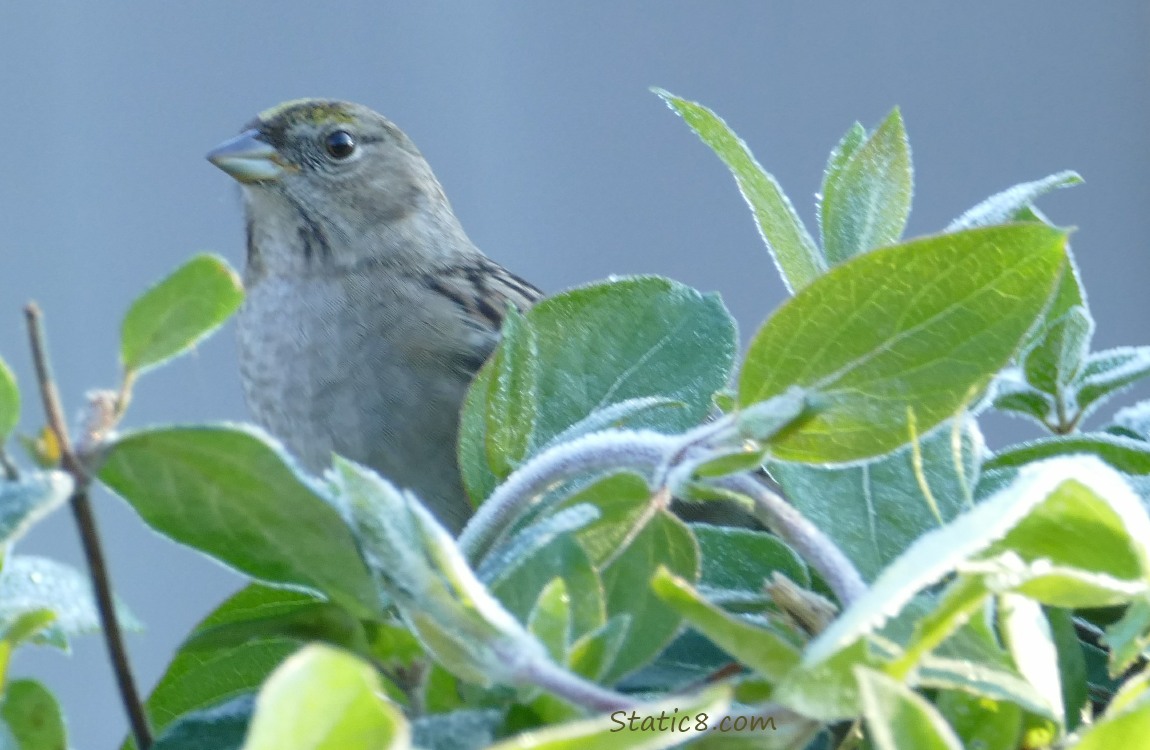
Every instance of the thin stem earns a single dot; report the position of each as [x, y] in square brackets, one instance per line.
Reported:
[11, 473]
[626, 449]
[573, 688]
[89, 536]
[793, 528]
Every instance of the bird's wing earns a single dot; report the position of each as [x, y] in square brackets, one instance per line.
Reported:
[480, 291]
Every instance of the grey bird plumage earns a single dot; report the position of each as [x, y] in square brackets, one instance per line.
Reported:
[368, 309]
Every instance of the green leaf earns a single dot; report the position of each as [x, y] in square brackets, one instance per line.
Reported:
[176, 313]
[795, 254]
[737, 559]
[219, 727]
[417, 564]
[202, 677]
[1129, 637]
[325, 699]
[623, 501]
[874, 510]
[1124, 729]
[1125, 454]
[232, 494]
[594, 653]
[1027, 635]
[900, 719]
[677, 344]
[30, 584]
[1071, 664]
[867, 202]
[839, 157]
[520, 587]
[550, 619]
[1080, 483]
[827, 690]
[890, 333]
[9, 402]
[664, 541]
[511, 404]
[1054, 366]
[981, 722]
[1005, 206]
[613, 732]
[33, 716]
[29, 499]
[1108, 372]
[753, 646]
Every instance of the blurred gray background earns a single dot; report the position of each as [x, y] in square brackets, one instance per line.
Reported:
[559, 161]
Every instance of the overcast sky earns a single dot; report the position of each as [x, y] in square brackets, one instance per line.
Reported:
[538, 120]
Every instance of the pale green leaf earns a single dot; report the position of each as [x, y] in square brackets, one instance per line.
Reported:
[29, 499]
[755, 647]
[899, 718]
[9, 402]
[613, 732]
[920, 327]
[325, 699]
[177, 312]
[1005, 206]
[866, 203]
[798, 259]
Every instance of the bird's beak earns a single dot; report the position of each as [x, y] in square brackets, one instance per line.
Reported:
[249, 159]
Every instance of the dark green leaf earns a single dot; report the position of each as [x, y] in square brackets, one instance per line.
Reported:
[9, 402]
[889, 333]
[981, 722]
[199, 678]
[520, 587]
[1071, 664]
[176, 313]
[873, 511]
[1005, 206]
[219, 727]
[798, 259]
[677, 344]
[664, 541]
[744, 559]
[33, 716]
[866, 204]
[229, 492]
[26, 501]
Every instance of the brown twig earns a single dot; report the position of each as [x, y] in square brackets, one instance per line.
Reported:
[89, 536]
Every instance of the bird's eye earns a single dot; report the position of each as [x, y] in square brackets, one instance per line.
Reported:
[339, 144]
